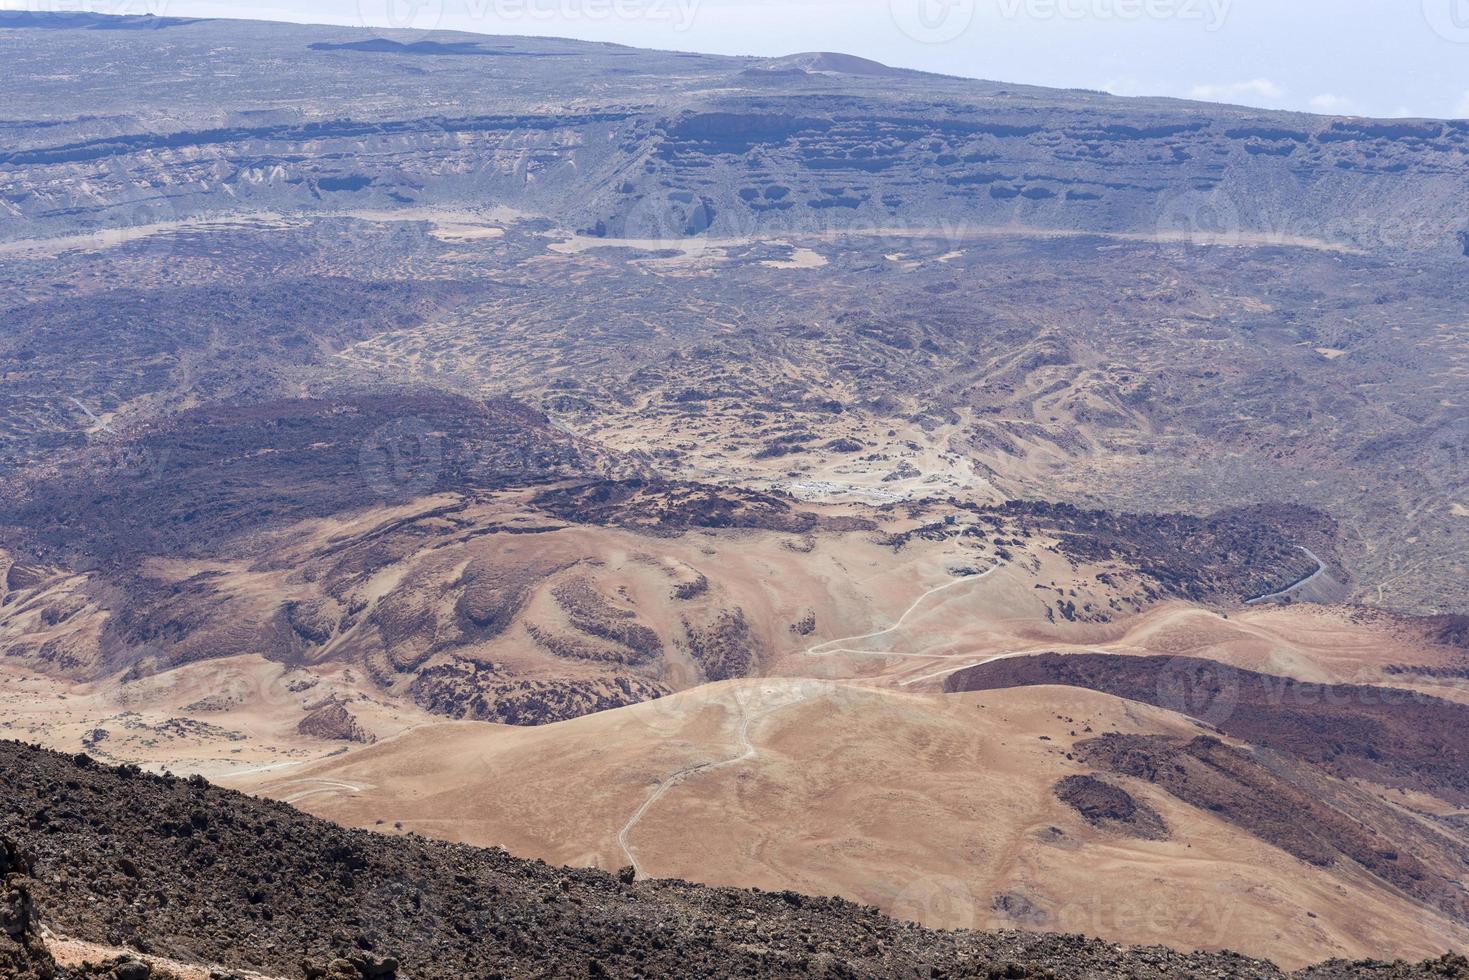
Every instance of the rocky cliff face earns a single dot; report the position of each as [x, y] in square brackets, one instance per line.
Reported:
[674, 146]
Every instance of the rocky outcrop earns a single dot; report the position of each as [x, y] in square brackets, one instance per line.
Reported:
[23, 953]
[464, 689]
[1286, 807]
[125, 968]
[1111, 808]
[330, 720]
[725, 648]
[352, 966]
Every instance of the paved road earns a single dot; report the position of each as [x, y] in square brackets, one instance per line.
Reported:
[1320, 569]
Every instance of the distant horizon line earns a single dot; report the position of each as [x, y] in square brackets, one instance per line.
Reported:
[426, 35]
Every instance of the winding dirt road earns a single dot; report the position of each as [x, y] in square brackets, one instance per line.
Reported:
[821, 649]
[748, 749]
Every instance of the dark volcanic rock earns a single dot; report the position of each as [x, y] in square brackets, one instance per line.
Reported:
[1231, 555]
[233, 470]
[254, 884]
[1111, 807]
[1448, 630]
[1288, 812]
[1390, 736]
[353, 966]
[726, 648]
[23, 954]
[1450, 967]
[117, 968]
[668, 508]
[466, 689]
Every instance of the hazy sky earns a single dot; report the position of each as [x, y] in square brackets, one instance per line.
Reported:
[1366, 57]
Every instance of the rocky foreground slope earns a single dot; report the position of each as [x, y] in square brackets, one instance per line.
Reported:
[183, 869]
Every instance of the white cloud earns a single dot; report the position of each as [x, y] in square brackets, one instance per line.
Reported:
[1462, 112]
[1255, 90]
[1336, 104]
[1127, 85]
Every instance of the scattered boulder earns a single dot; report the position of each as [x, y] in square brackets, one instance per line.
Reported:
[352, 966]
[120, 968]
[904, 471]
